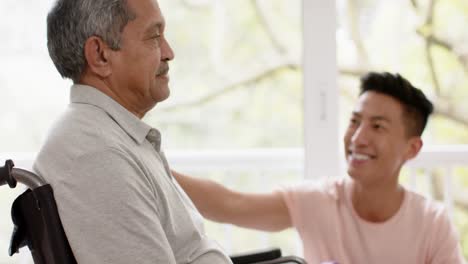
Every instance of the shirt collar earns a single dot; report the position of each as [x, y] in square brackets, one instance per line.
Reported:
[154, 137]
[132, 125]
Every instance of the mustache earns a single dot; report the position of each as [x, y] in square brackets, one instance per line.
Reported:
[163, 68]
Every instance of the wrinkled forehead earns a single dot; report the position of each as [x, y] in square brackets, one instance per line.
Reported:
[145, 9]
[148, 16]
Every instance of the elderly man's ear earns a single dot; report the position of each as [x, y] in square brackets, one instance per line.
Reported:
[98, 55]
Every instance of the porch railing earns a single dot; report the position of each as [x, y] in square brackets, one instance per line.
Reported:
[252, 170]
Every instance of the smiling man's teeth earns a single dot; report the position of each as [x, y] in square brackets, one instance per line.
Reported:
[361, 156]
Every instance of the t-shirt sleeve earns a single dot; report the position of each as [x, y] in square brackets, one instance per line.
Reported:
[445, 246]
[292, 199]
[308, 201]
[110, 212]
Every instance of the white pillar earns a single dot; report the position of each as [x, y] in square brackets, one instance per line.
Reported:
[321, 141]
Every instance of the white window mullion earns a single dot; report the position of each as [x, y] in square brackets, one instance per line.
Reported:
[321, 141]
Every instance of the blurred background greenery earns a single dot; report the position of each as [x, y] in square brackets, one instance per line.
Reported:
[237, 83]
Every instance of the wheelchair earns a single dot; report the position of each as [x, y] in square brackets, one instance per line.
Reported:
[37, 225]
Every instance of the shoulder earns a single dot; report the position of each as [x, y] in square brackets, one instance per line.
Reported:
[102, 175]
[311, 192]
[101, 168]
[427, 208]
[313, 201]
[431, 216]
[80, 132]
[85, 123]
[108, 166]
[100, 161]
[442, 238]
[330, 187]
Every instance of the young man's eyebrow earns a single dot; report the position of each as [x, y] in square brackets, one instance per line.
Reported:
[381, 118]
[372, 118]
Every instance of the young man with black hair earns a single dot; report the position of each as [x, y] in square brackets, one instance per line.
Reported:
[367, 217]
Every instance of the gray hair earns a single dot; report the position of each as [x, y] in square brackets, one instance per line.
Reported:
[71, 22]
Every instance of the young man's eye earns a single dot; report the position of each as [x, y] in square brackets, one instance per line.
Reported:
[378, 126]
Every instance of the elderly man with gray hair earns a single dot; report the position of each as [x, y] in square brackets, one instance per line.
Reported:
[116, 197]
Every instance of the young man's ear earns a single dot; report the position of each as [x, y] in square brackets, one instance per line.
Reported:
[97, 54]
[414, 147]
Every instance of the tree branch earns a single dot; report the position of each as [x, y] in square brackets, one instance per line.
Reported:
[353, 72]
[447, 111]
[192, 5]
[244, 81]
[460, 55]
[259, 10]
[430, 62]
[247, 80]
[353, 17]
[426, 31]
[430, 13]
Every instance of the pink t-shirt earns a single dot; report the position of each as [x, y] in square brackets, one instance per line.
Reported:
[420, 232]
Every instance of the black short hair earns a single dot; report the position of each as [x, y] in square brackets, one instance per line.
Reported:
[417, 107]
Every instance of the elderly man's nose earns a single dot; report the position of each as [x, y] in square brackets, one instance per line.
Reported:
[167, 52]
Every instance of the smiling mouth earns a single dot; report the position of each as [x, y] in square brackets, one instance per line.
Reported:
[360, 156]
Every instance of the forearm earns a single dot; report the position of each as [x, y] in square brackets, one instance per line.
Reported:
[266, 212]
[262, 211]
[210, 198]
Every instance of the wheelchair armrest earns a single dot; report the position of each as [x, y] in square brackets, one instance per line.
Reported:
[285, 260]
[10, 176]
[256, 256]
